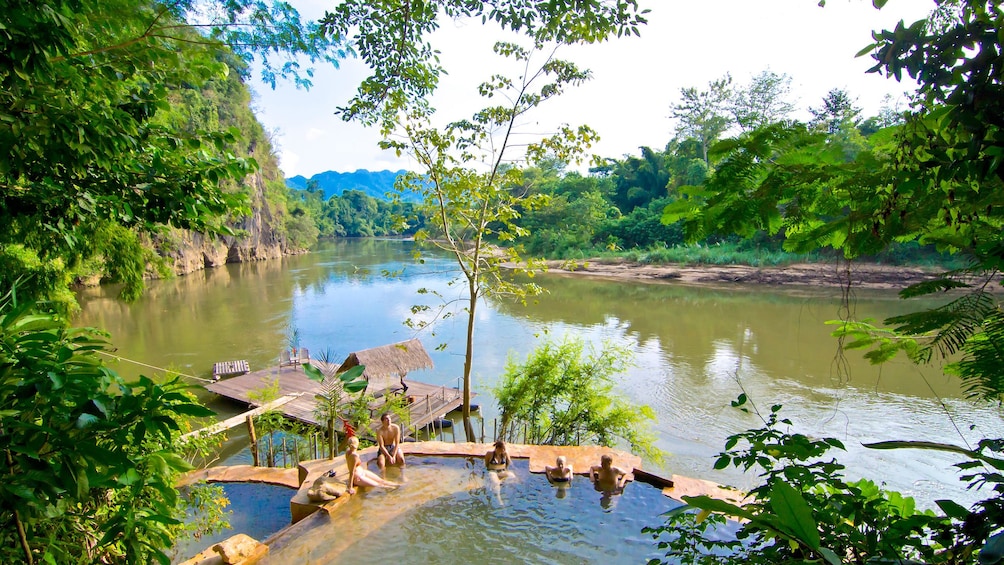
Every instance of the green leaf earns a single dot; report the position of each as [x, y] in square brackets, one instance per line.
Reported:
[313, 373]
[794, 514]
[704, 502]
[352, 374]
[952, 509]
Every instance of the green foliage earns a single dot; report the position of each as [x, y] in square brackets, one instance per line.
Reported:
[334, 386]
[355, 214]
[90, 461]
[22, 269]
[206, 513]
[564, 395]
[804, 511]
[93, 91]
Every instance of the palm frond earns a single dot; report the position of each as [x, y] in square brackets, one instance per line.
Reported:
[982, 367]
[951, 325]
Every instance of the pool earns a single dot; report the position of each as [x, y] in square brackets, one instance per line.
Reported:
[256, 509]
[450, 510]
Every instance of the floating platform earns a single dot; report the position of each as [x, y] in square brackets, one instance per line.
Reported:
[426, 402]
[230, 368]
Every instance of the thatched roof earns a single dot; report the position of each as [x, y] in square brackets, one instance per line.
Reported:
[388, 364]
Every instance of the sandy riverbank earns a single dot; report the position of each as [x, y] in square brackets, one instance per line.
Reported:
[862, 275]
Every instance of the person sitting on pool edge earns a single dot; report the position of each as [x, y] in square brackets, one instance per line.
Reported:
[359, 475]
[389, 443]
[606, 477]
[561, 472]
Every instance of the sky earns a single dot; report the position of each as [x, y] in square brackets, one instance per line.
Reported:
[635, 79]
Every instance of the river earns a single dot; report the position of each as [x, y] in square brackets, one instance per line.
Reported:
[695, 349]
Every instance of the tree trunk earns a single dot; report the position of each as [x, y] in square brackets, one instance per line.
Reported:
[469, 360]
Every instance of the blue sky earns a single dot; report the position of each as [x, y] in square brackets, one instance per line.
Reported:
[635, 80]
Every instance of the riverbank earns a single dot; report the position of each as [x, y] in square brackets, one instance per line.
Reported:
[860, 275]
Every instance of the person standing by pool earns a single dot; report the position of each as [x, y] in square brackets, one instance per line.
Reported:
[561, 472]
[359, 475]
[389, 444]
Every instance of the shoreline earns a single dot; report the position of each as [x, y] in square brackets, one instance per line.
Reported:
[860, 275]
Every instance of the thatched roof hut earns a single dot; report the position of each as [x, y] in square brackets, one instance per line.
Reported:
[387, 365]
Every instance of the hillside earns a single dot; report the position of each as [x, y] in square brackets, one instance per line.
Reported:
[375, 184]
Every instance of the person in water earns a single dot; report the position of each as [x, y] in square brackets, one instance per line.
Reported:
[608, 480]
[606, 477]
[498, 459]
[359, 475]
[561, 472]
[497, 462]
[389, 443]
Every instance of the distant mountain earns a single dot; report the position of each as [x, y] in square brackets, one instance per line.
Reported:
[374, 183]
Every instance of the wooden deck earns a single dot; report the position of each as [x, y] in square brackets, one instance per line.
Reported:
[429, 402]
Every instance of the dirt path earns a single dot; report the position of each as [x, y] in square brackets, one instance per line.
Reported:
[812, 274]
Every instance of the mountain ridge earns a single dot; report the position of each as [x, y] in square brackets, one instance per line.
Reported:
[375, 184]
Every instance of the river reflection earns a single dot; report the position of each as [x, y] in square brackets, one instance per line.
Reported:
[693, 347]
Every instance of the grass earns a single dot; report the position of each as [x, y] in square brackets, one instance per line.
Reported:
[745, 253]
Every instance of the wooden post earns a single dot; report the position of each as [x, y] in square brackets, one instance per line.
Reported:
[271, 452]
[331, 438]
[495, 429]
[284, 451]
[428, 405]
[253, 438]
[482, 430]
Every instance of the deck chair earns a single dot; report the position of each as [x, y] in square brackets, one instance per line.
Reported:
[304, 355]
[284, 358]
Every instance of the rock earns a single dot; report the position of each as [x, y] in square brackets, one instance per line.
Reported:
[239, 548]
[325, 488]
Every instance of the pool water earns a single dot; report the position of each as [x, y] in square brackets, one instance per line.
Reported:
[450, 510]
[258, 510]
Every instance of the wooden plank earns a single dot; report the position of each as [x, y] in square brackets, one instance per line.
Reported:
[241, 418]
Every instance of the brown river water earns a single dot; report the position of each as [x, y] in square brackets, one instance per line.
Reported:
[695, 349]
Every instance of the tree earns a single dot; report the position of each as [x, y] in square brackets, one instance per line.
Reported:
[471, 205]
[564, 395]
[84, 85]
[836, 112]
[638, 181]
[90, 460]
[703, 114]
[763, 101]
[471, 211]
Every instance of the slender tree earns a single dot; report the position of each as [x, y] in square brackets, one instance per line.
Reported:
[703, 114]
[766, 99]
[836, 112]
[467, 178]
